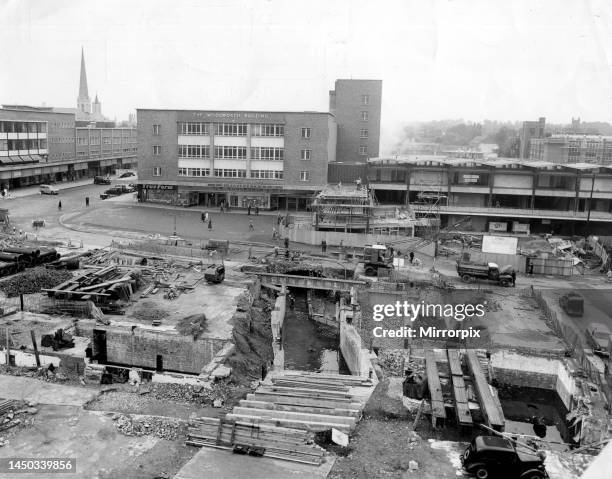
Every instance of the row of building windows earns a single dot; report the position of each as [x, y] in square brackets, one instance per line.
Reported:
[267, 174]
[29, 144]
[236, 152]
[267, 153]
[232, 173]
[231, 152]
[23, 127]
[194, 151]
[227, 129]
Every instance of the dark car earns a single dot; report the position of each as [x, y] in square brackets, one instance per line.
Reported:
[117, 190]
[127, 174]
[102, 180]
[598, 338]
[492, 457]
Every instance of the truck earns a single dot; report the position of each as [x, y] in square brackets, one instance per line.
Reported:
[375, 257]
[469, 271]
[572, 303]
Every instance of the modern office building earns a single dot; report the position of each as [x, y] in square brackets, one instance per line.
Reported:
[529, 131]
[356, 105]
[564, 149]
[274, 160]
[501, 195]
[40, 145]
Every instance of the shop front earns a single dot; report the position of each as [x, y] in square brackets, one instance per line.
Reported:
[163, 194]
[238, 195]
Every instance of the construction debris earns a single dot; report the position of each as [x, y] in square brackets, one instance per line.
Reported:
[162, 427]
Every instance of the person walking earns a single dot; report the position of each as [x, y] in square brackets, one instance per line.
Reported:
[411, 257]
[251, 227]
[279, 218]
[286, 242]
[291, 302]
[274, 233]
[276, 251]
[59, 205]
[513, 278]
[249, 210]
[87, 201]
[256, 210]
[203, 217]
[210, 224]
[323, 246]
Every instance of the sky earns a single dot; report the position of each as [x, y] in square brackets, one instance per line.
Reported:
[438, 59]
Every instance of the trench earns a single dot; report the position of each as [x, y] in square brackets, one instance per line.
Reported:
[309, 346]
[521, 404]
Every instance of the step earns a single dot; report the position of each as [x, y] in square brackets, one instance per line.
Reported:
[270, 413]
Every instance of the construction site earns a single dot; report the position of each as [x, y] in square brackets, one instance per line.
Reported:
[299, 357]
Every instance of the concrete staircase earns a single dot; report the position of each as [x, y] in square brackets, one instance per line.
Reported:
[306, 400]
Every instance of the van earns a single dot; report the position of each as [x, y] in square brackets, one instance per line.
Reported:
[48, 190]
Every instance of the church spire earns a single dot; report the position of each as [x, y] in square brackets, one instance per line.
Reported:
[83, 101]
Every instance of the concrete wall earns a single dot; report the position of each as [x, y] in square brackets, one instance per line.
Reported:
[140, 347]
[355, 355]
[534, 372]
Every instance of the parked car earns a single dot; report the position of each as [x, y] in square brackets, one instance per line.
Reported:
[117, 190]
[48, 190]
[492, 457]
[127, 174]
[598, 338]
[102, 180]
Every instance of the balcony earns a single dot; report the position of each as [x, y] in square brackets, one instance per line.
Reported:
[517, 212]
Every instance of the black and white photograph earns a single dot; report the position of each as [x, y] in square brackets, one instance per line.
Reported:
[269, 239]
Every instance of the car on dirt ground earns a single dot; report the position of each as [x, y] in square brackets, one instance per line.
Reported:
[493, 457]
[598, 338]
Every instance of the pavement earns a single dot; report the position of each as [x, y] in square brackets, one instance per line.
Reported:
[42, 392]
[209, 462]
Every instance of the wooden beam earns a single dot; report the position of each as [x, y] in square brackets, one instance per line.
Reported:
[435, 389]
[492, 414]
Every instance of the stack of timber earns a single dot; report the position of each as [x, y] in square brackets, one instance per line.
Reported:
[99, 286]
[302, 400]
[6, 405]
[285, 411]
[259, 440]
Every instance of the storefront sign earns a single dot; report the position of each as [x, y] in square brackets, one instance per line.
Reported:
[470, 178]
[232, 115]
[243, 186]
[498, 226]
[159, 187]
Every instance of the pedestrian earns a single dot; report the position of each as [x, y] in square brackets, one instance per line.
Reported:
[206, 216]
[221, 208]
[411, 257]
[276, 251]
[257, 210]
[59, 205]
[87, 201]
[14, 230]
[531, 269]
[513, 278]
[274, 233]
[323, 246]
[287, 253]
[210, 224]
[291, 302]
[251, 227]
[250, 252]
[203, 217]
[249, 210]
[286, 243]
[279, 218]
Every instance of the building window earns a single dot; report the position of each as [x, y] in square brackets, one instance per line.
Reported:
[267, 153]
[306, 133]
[267, 174]
[363, 150]
[230, 129]
[364, 116]
[304, 175]
[192, 128]
[363, 133]
[305, 155]
[195, 172]
[156, 129]
[156, 149]
[365, 99]
[230, 173]
[267, 130]
[194, 151]
[157, 171]
[231, 152]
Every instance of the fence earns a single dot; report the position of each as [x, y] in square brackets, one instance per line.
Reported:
[515, 260]
[552, 266]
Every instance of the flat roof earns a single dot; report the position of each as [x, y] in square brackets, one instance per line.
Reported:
[235, 111]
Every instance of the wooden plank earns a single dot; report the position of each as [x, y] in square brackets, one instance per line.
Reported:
[309, 391]
[491, 412]
[462, 408]
[303, 409]
[293, 423]
[435, 389]
[280, 399]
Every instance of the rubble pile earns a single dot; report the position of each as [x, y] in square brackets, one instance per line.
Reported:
[162, 427]
[190, 393]
[33, 281]
[14, 413]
